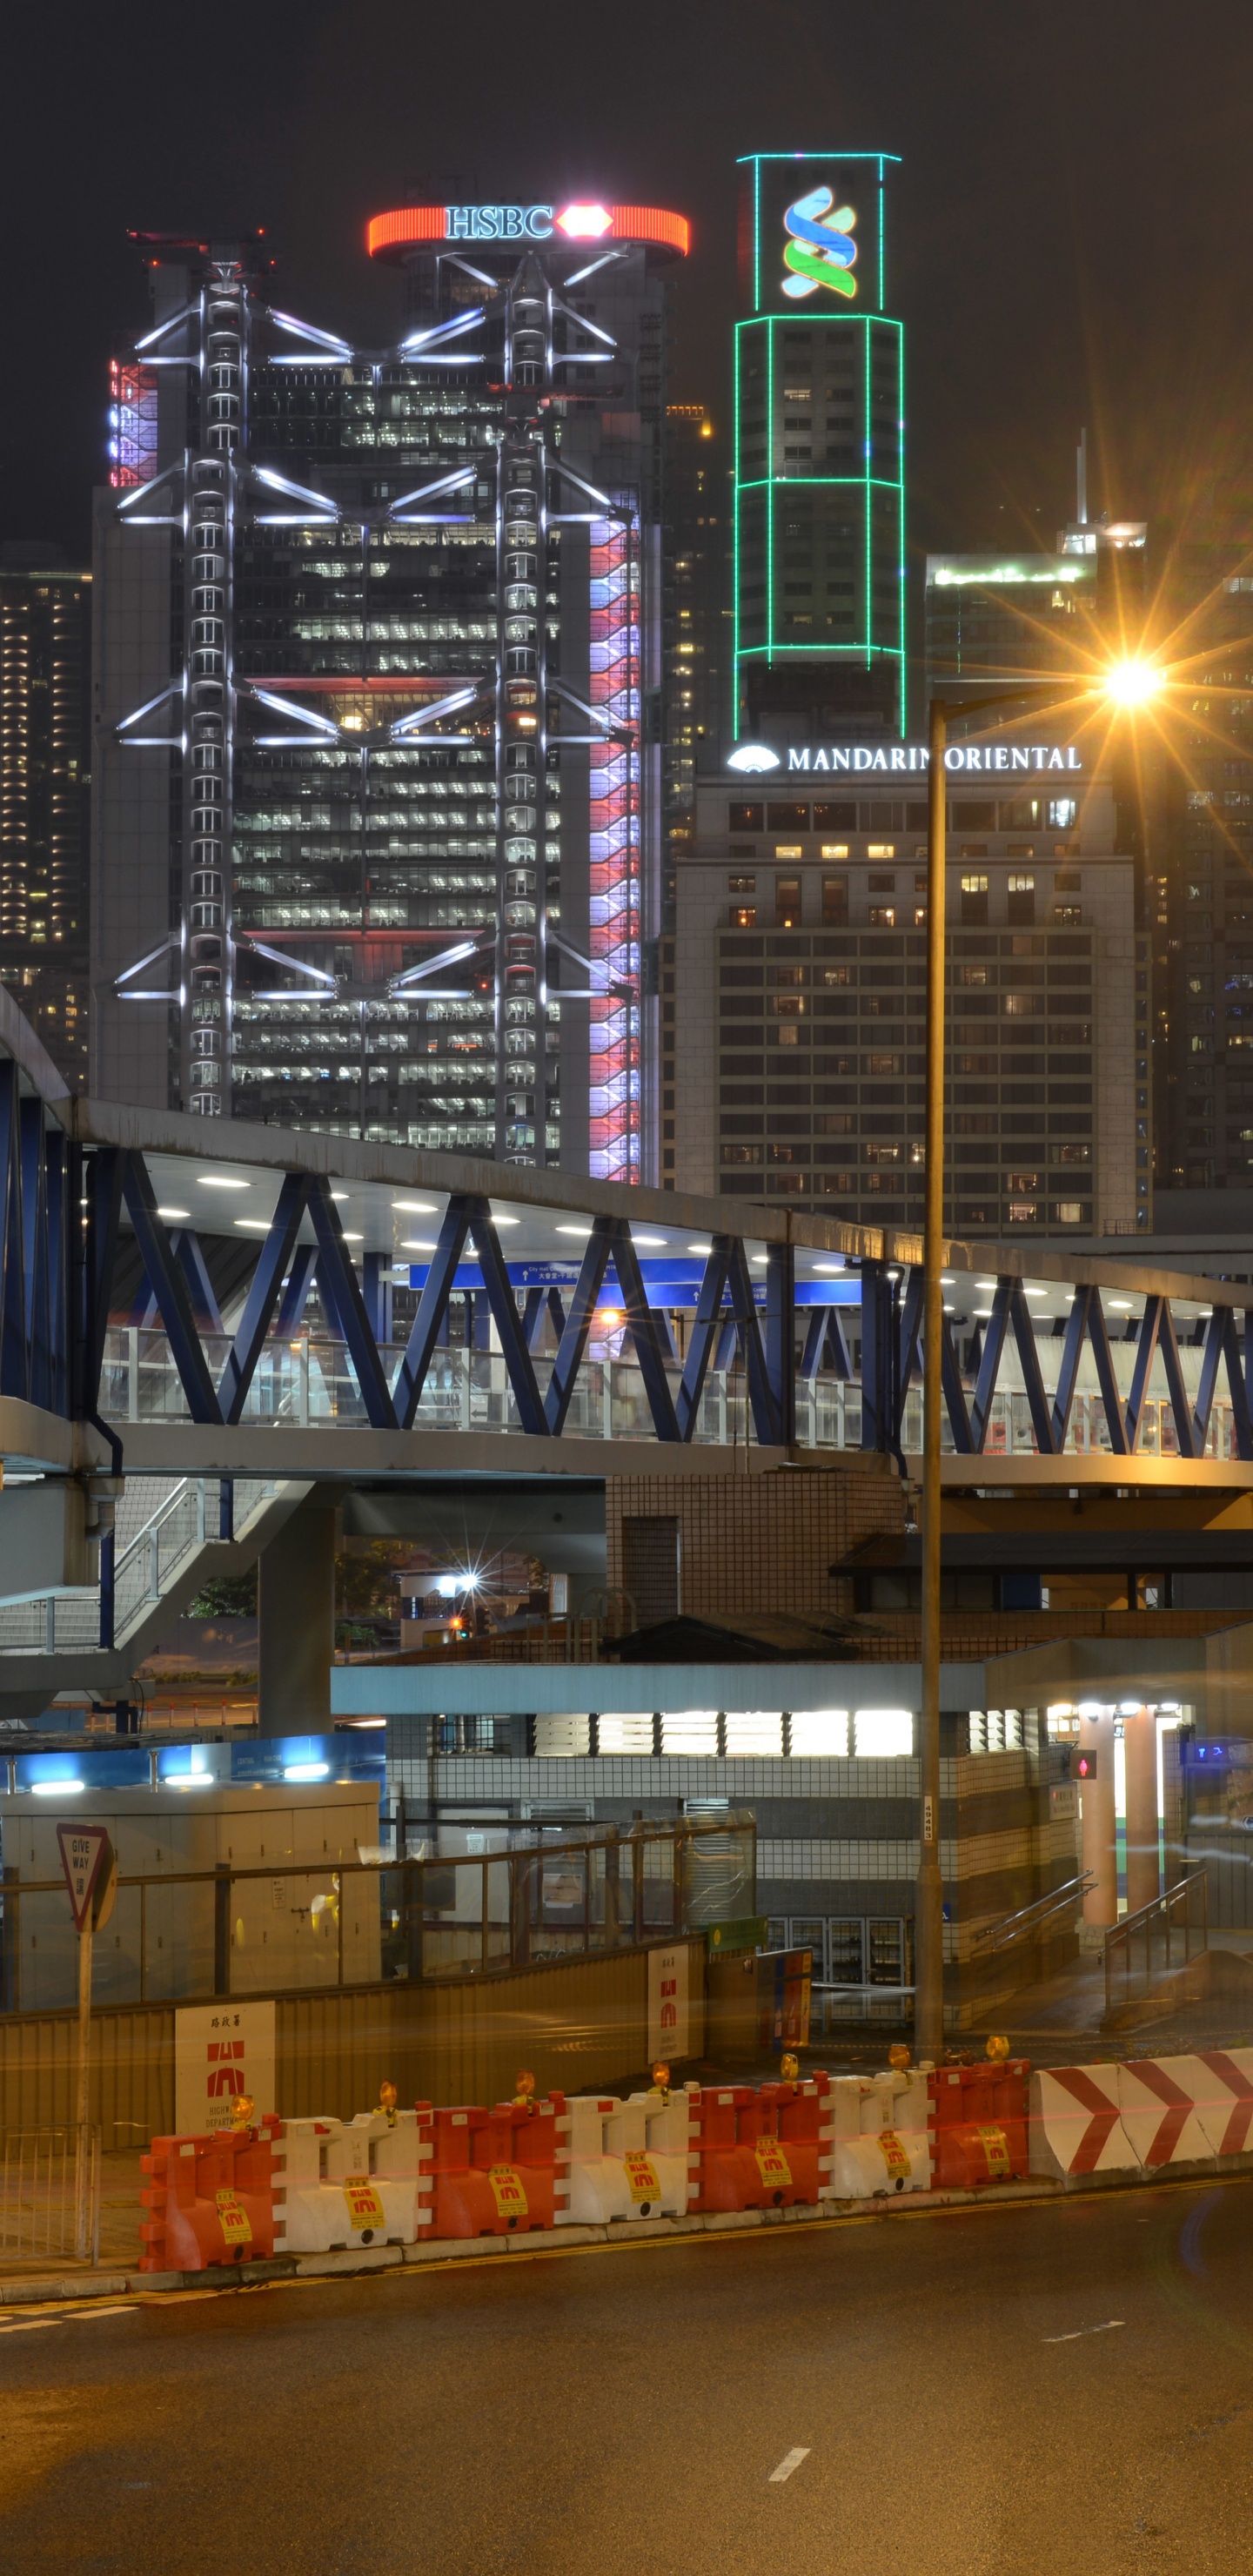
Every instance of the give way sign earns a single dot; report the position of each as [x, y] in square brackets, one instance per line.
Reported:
[87, 1860]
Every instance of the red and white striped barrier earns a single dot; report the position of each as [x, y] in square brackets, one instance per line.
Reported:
[1157, 2100]
[1221, 2085]
[1075, 2123]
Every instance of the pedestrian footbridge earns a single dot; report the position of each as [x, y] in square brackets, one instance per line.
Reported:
[220, 1316]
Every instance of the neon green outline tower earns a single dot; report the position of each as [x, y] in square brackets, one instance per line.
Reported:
[819, 449]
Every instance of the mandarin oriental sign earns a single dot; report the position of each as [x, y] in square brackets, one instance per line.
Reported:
[901, 758]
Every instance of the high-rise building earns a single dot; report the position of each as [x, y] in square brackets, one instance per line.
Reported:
[793, 992]
[1201, 878]
[45, 778]
[698, 608]
[378, 836]
[819, 451]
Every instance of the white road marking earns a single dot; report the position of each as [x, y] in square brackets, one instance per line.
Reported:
[1080, 2331]
[81, 2316]
[791, 2460]
[28, 2325]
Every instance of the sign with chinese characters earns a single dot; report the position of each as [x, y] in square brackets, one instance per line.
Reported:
[668, 2015]
[220, 2051]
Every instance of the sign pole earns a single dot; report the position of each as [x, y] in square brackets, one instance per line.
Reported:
[82, 2189]
[90, 1866]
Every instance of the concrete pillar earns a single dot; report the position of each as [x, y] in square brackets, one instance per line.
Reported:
[1143, 1864]
[296, 1613]
[1097, 1823]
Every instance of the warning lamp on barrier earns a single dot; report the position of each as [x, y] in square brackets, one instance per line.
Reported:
[524, 2090]
[998, 2049]
[388, 2098]
[242, 2109]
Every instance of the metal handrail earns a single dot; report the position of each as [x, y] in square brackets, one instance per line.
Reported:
[1120, 1936]
[1028, 1919]
[515, 1923]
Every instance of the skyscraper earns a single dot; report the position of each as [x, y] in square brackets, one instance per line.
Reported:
[389, 853]
[45, 767]
[819, 450]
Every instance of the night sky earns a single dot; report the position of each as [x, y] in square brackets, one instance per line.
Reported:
[1074, 236]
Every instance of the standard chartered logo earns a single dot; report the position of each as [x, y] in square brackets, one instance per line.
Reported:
[819, 253]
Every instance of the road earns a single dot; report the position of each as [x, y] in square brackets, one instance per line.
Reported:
[1060, 2391]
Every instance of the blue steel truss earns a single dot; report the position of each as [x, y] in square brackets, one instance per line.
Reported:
[60, 1224]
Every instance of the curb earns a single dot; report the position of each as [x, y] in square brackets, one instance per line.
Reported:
[357, 2263]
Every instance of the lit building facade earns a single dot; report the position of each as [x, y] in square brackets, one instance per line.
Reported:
[45, 780]
[794, 993]
[378, 830]
[819, 451]
[698, 608]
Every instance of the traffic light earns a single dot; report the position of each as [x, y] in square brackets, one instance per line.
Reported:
[1083, 1763]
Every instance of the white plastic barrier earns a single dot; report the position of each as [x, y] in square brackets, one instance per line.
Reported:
[880, 2145]
[343, 2185]
[1220, 2082]
[626, 2159]
[666, 2143]
[1157, 2099]
[598, 2186]
[1075, 2123]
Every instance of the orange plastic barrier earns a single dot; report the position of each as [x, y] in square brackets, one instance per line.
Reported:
[736, 2160]
[802, 2119]
[977, 2124]
[496, 2172]
[208, 2200]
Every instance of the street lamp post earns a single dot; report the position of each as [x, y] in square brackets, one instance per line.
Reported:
[1130, 684]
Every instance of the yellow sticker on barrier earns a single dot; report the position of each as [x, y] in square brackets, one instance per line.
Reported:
[506, 2182]
[894, 2156]
[641, 2173]
[995, 2146]
[772, 2164]
[365, 2209]
[233, 2219]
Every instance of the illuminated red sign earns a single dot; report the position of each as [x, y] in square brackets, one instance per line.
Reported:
[405, 228]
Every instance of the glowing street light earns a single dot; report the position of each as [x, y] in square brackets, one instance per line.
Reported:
[1131, 683]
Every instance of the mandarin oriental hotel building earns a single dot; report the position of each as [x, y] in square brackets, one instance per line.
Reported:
[377, 652]
[794, 990]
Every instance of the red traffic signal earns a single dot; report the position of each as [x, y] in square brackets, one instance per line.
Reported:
[1083, 1765]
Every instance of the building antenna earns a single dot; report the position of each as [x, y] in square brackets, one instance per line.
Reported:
[1081, 477]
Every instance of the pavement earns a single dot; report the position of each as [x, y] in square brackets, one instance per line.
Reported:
[1040, 2391]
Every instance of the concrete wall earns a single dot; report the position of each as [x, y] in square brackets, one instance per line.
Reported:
[761, 1543]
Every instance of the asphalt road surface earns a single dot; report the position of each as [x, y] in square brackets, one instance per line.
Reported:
[1046, 2392]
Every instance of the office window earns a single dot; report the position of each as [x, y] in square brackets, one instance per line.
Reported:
[743, 1153]
[788, 818]
[835, 818]
[1069, 1211]
[747, 818]
[834, 1122]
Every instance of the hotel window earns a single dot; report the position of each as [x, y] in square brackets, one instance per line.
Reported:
[882, 916]
[1069, 1211]
[1068, 916]
[741, 885]
[787, 903]
[1020, 903]
[742, 1153]
[747, 818]
[742, 916]
[789, 849]
[974, 895]
[788, 818]
[1023, 1211]
[834, 850]
[835, 901]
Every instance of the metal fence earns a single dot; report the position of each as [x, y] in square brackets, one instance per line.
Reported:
[305, 1926]
[39, 2191]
